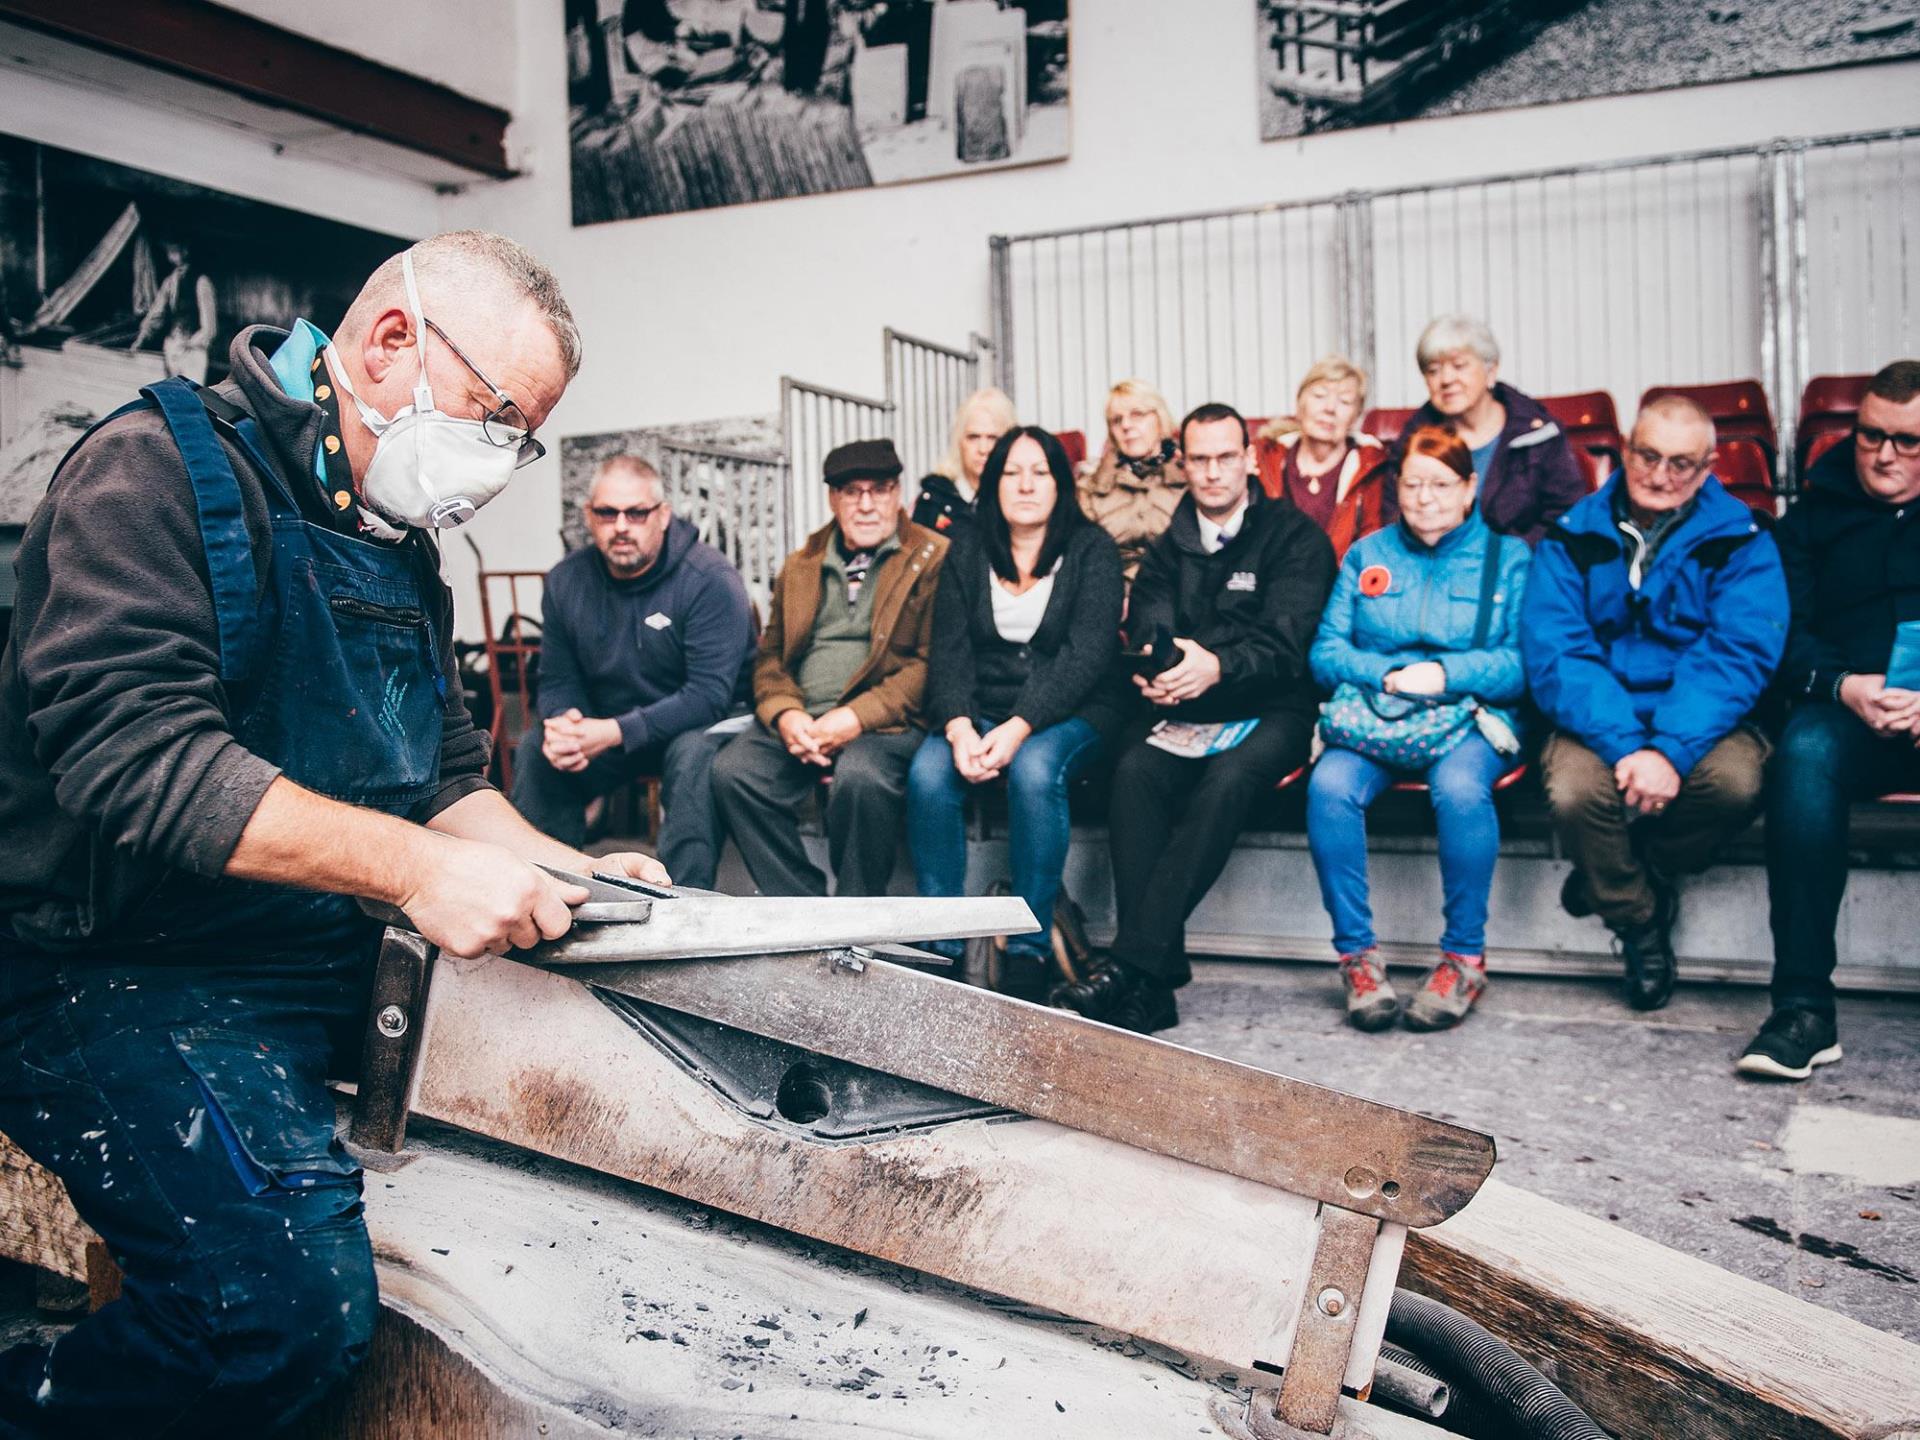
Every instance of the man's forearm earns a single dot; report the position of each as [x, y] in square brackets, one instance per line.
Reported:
[486, 815]
[296, 837]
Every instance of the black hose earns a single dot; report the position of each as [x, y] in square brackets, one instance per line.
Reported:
[1466, 1353]
[1467, 1412]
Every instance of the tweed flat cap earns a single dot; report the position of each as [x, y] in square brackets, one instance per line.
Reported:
[862, 460]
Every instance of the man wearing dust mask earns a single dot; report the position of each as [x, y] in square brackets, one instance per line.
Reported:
[228, 707]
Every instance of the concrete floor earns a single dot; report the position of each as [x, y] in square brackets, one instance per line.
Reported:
[1812, 1188]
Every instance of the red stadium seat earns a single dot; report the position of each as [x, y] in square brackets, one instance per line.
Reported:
[1593, 429]
[1505, 782]
[1074, 442]
[1739, 409]
[1742, 467]
[1820, 444]
[1294, 776]
[1386, 425]
[1827, 408]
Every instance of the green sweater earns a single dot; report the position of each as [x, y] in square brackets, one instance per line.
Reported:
[842, 633]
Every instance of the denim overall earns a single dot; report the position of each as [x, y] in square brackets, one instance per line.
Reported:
[173, 1075]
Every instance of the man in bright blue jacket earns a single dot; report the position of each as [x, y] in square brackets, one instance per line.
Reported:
[1656, 614]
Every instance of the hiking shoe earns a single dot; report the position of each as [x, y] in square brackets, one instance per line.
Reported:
[1448, 992]
[1790, 1044]
[1371, 1003]
[1574, 898]
[1648, 951]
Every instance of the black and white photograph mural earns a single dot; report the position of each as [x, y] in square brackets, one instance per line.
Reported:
[690, 104]
[1334, 66]
[112, 278]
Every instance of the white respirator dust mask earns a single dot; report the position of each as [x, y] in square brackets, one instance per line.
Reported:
[430, 470]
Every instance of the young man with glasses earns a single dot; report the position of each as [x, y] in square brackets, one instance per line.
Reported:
[1654, 619]
[837, 687]
[646, 640]
[1851, 545]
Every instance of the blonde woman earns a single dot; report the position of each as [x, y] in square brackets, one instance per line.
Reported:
[1133, 491]
[947, 496]
[1318, 459]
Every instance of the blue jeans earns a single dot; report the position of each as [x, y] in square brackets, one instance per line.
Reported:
[1341, 788]
[1827, 759]
[1038, 829]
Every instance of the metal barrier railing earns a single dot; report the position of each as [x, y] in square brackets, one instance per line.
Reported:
[814, 419]
[926, 384]
[1779, 261]
[738, 502]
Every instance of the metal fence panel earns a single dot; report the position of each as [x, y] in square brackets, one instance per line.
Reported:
[926, 385]
[737, 502]
[1862, 213]
[813, 420]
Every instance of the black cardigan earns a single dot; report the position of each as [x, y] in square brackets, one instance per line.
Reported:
[1066, 670]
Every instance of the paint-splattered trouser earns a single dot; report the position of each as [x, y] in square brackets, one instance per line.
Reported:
[184, 1107]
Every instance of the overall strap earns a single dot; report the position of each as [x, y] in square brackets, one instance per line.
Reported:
[223, 520]
[1489, 582]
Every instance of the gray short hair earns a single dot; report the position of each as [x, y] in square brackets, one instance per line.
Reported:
[1446, 334]
[635, 465]
[466, 260]
[1676, 407]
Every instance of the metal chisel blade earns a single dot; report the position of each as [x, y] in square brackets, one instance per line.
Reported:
[696, 926]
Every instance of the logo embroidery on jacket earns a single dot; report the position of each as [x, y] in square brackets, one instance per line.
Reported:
[659, 621]
[1243, 580]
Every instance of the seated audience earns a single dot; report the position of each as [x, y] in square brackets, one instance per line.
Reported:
[837, 687]
[1218, 625]
[1851, 547]
[1315, 457]
[1529, 475]
[1025, 631]
[1654, 619]
[946, 499]
[1420, 646]
[1133, 491]
[646, 639]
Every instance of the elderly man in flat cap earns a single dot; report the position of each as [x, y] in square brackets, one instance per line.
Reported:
[843, 662]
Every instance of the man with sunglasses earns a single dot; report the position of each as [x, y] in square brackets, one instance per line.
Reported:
[228, 707]
[646, 639]
[1653, 622]
[1851, 544]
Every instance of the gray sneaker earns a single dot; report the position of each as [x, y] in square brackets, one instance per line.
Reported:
[1448, 992]
[1371, 1003]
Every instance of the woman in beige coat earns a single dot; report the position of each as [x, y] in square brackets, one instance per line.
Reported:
[1131, 493]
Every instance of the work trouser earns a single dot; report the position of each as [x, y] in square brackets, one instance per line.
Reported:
[184, 1107]
[1827, 759]
[1614, 848]
[1171, 825]
[759, 789]
[555, 802]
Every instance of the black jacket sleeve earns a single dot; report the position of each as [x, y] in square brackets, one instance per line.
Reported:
[1153, 602]
[1060, 684]
[951, 676]
[1296, 577]
[1812, 666]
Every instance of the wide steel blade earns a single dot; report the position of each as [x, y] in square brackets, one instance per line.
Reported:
[1287, 1133]
[694, 926]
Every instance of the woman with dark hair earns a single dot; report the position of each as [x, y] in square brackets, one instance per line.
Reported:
[1026, 627]
[1420, 645]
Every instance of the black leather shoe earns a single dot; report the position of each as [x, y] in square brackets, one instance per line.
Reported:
[1148, 1007]
[1097, 996]
[1574, 898]
[1648, 950]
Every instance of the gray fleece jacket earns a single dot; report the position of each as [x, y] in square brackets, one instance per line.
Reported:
[117, 759]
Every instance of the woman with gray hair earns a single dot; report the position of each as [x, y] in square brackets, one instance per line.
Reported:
[1527, 470]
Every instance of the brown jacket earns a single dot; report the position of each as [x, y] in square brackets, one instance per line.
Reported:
[1134, 511]
[885, 692]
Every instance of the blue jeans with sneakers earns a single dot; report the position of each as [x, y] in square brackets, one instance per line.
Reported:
[1341, 788]
[1038, 827]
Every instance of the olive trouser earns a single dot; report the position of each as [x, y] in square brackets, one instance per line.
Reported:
[1615, 848]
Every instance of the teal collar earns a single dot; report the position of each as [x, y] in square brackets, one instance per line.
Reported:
[293, 366]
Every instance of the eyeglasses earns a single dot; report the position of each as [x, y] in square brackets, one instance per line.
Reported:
[1415, 484]
[1871, 438]
[1207, 464]
[856, 491]
[633, 514]
[1681, 467]
[504, 425]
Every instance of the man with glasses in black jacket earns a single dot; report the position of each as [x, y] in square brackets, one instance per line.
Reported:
[1851, 547]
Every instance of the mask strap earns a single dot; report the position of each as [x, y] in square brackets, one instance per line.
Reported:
[422, 393]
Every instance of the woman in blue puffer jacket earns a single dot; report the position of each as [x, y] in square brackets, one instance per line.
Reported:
[1420, 609]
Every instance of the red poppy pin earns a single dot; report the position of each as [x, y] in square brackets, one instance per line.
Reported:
[1375, 579]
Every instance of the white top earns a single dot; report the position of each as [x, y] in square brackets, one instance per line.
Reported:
[1016, 617]
[1215, 537]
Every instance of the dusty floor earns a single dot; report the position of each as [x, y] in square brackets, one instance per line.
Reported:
[1812, 1188]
